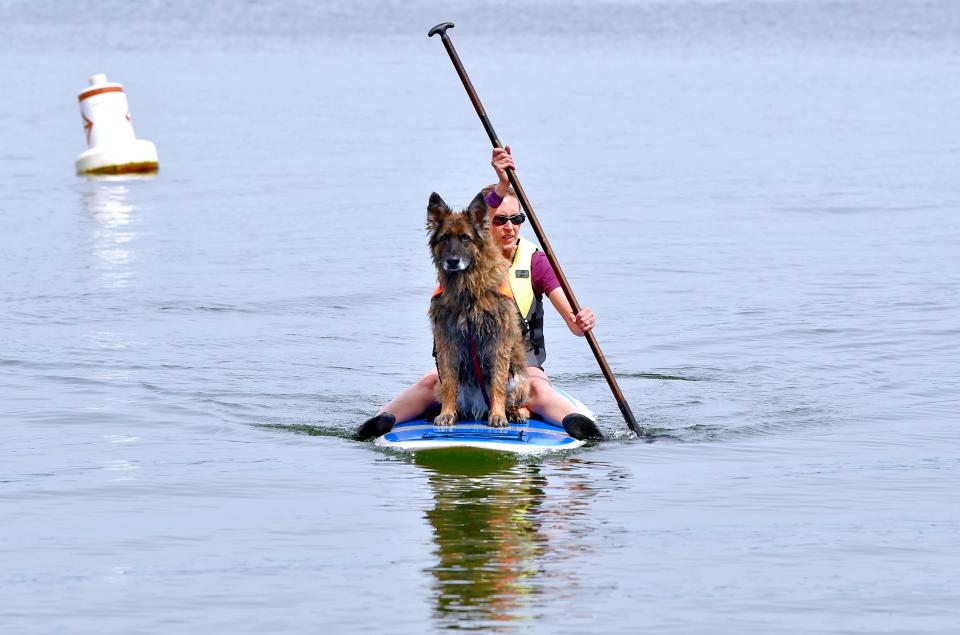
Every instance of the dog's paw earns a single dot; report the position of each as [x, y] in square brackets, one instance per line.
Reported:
[520, 415]
[497, 421]
[445, 421]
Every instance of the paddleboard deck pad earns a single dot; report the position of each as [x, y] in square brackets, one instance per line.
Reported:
[535, 436]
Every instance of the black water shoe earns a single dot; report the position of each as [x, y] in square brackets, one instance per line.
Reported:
[581, 427]
[375, 426]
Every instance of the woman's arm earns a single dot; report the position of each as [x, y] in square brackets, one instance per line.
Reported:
[578, 323]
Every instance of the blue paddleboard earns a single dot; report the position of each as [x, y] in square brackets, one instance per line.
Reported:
[535, 436]
[532, 437]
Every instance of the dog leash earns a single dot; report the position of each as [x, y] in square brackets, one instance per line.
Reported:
[477, 369]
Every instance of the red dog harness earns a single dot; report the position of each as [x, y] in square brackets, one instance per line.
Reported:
[504, 289]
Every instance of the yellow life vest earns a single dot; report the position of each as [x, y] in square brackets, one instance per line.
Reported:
[520, 276]
[531, 309]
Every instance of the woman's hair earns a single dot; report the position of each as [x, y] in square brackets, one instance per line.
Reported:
[510, 191]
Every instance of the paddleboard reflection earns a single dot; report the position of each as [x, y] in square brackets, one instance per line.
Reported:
[492, 522]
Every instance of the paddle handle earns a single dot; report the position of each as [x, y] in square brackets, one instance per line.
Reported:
[441, 30]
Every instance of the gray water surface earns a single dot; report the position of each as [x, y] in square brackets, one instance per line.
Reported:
[758, 199]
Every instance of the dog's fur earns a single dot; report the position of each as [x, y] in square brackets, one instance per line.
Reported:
[471, 268]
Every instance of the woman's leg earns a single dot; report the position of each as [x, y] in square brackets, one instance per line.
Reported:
[415, 399]
[549, 404]
[544, 400]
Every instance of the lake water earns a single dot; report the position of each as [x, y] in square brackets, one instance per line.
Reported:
[759, 200]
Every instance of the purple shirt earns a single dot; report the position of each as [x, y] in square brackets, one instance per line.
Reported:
[542, 277]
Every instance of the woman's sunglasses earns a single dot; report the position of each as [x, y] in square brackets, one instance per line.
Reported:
[516, 219]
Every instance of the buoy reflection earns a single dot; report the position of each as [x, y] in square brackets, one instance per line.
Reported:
[108, 204]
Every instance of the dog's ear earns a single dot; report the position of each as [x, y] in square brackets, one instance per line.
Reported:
[477, 211]
[436, 210]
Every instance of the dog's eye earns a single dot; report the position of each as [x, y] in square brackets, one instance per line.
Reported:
[464, 238]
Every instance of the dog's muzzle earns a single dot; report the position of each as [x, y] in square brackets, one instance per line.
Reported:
[455, 264]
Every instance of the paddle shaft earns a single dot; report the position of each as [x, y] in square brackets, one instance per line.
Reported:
[441, 29]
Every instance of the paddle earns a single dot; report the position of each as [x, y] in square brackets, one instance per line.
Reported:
[441, 30]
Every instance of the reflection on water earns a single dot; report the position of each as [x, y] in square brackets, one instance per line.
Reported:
[110, 218]
[107, 202]
[490, 523]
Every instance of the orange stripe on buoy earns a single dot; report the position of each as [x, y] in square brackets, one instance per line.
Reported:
[97, 91]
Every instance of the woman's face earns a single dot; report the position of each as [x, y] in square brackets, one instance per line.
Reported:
[505, 235]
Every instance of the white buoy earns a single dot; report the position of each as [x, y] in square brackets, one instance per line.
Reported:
[113, 147]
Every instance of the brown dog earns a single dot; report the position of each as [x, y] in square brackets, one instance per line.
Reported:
[481, 357]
